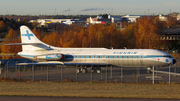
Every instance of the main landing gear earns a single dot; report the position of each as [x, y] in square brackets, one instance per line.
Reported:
[81, 70]
[84, 69]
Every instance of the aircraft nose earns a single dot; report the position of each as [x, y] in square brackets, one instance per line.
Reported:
[174, 61]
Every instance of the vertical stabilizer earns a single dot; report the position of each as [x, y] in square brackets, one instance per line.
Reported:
[33, 43]
[91, 21]
[27, 36]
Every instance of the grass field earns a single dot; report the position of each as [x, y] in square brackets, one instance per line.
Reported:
[70, 89]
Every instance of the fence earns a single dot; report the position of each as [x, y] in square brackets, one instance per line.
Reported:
[108, 74]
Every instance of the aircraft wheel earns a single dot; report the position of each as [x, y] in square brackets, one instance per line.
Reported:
[84, 70]
[77, 71]
[148, 70]
[98, 71]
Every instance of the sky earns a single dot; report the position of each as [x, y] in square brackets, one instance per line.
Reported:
[95, 7]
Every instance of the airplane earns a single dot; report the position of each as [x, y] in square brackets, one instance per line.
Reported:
[49, 21]
[44, 54]
[68, 22]
[96, 22]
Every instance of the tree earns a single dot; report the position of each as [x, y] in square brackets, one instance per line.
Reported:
[51, 39]
[11, 37]
[2, 26]
[146, 33]
[38, 33]
[128, 39]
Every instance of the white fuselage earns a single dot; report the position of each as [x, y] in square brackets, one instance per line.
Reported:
[116, 57]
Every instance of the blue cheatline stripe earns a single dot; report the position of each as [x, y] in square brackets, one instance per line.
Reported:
[114, 56]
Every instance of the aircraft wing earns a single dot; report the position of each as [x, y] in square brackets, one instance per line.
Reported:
[61, 63]
[43, 63]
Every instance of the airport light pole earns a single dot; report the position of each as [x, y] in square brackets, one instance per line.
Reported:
[55, 11]
[170, 11]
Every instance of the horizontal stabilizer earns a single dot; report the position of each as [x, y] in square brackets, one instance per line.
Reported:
[23, 44]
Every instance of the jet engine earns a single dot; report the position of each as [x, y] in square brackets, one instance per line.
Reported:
[51, 57]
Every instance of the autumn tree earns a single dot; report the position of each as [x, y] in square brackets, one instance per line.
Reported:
[51, 39]
[101, 39]
[80, 37]
[38, 33]
[146, 33]
[11, 37]
[127, 37]
[67, 39]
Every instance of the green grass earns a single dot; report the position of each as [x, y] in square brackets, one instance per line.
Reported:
[70, 89]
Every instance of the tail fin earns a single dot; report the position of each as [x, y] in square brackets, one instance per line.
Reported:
[27, 36]
[51, 20]
[91, 21]
[30, 42]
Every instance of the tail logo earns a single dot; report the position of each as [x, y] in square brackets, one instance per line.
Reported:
[28, 35]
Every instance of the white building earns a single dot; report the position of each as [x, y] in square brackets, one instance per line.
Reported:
[132, 18]
[178, 17]
[162, 17]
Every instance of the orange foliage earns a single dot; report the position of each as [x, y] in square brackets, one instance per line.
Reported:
[51, 39]
[11, 37]
[38, 33]
[146, 33]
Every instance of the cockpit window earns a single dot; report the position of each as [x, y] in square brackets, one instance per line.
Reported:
[168, 56]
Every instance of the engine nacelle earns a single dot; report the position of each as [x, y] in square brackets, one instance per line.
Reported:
[51, 57]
